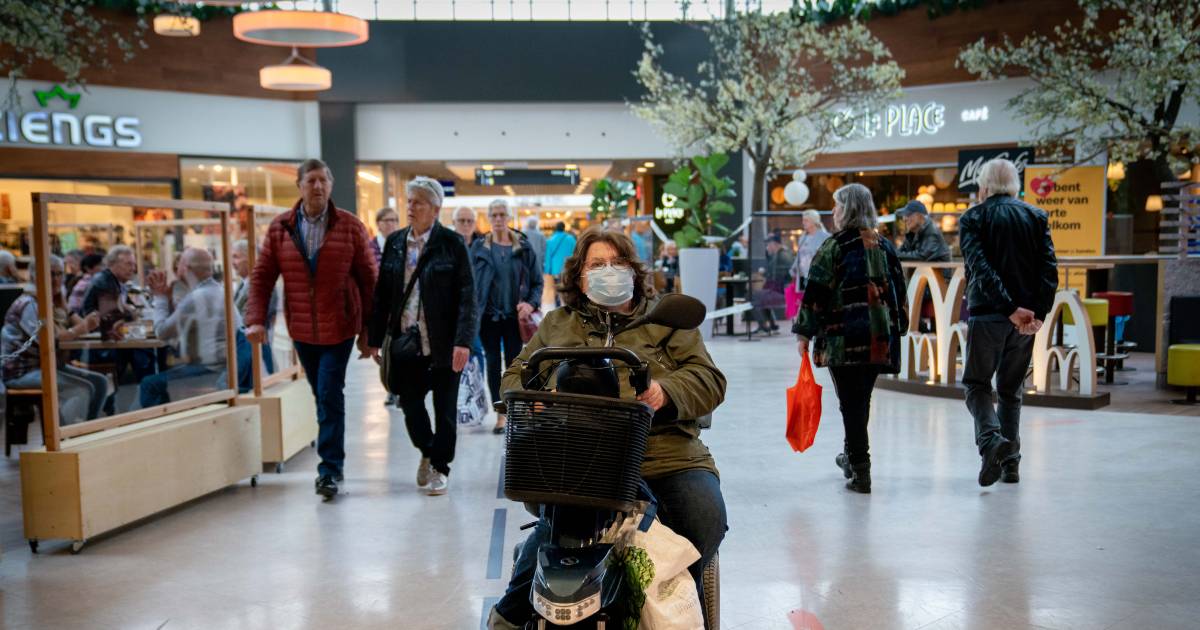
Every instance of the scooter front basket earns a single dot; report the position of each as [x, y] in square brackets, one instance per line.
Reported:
[574, 449]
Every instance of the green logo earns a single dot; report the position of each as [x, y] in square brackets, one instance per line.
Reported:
[44, 98]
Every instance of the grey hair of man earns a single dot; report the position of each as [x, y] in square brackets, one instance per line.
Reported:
[500, 203]
[858, 208]
[461, 210]
[241, 246]
[531, 224]
[7, 260]
[114, 254]
[999, 177]
[427, 186]
[199, 262]
[56, 264]
[312, 164]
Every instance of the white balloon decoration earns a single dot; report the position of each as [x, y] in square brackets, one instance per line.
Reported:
[799, 175]
[796, 193]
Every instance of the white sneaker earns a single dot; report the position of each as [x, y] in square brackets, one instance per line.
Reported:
[424, 471]
[438, 484]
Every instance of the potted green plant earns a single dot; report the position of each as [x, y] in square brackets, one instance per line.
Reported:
[610, 199]
[704, 195]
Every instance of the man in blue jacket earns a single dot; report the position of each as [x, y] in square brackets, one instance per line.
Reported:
[559, 248]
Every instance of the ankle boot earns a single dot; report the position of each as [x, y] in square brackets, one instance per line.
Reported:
[844, 464]
[860, 480]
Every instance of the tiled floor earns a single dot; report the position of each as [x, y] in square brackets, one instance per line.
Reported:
[1101, 532]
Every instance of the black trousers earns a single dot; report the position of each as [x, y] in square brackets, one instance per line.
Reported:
[437, 442]
[493, 334]
[996, 347]
[854, 384]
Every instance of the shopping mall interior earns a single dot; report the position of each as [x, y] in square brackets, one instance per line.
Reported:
[701, 314]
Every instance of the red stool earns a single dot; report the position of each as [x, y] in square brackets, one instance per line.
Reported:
[1120, 304]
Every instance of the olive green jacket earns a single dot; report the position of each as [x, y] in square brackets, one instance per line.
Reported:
[679, 363]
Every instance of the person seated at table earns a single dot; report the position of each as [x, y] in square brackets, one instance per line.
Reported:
[71, 263]
[198, 322]
[91, 265]
[81, 393]
[923, 241]
[669, 264]
[108, 294]
[9, 274]
[776, 276]
[240, 257]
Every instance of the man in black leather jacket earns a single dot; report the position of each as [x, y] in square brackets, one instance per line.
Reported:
[1012, 276]
[441, 307]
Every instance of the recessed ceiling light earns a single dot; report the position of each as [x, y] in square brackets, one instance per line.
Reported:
[641, 169]
[649, 164]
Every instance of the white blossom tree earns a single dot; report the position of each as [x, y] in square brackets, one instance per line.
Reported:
[1117, 81]
[777, 87]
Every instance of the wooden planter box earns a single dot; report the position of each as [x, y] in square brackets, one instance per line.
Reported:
[100, 482]
[289, 420]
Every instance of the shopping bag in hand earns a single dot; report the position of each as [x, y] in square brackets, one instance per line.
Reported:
[472, 396]
[804, 407]
[793, 299]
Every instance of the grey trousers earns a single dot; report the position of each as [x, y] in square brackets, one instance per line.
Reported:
[996, 348]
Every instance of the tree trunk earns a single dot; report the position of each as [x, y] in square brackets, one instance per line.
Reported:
[1145, 178]
[757, 198]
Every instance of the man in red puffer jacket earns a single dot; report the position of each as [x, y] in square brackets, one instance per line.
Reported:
[329, 276]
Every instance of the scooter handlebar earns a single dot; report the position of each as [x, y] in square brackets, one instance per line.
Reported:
[639, 376]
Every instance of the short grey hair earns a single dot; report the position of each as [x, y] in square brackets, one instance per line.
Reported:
[1000, 177]
[116, 252]
[199, 261]
[858, 208]
[814, 216]
[241, 245]
[431, 187]
[56, 264]
[531, 223]
[461, 209]
[7, 259]
[312, 164]
[500, 203]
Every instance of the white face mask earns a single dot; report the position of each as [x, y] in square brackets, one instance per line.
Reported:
[610, 286]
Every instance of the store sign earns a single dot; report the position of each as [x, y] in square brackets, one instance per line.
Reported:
[898, 119]
[526, 177]
[65, 128]
[1075, 200]
[970, 163]
[667, 213]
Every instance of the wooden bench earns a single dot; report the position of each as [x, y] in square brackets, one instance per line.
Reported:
[16, 425]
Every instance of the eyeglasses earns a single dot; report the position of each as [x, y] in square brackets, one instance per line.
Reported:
[389, 220]
[464, 220]
[596, 264]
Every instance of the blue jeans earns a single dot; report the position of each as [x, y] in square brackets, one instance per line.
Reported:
[689, 503]
[325, 368]
[153, 390]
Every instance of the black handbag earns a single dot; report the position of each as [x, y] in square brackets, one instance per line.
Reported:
[400, 347]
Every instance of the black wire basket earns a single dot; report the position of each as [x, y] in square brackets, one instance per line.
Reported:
[574, 449]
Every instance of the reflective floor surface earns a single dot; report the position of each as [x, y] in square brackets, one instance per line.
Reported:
[1101, 532]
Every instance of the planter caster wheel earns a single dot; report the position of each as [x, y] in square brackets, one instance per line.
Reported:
[76, 547]
[253, 481]
[33, 545]
[279, 468]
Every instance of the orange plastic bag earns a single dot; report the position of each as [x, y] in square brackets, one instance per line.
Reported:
[804, 408]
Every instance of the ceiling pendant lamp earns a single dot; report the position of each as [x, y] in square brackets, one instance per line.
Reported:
[295, 74]
[306, 29]
[176, 25]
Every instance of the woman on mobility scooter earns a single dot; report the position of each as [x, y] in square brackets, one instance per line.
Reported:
[604, 288]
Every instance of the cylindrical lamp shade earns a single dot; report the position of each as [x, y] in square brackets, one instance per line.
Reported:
[306, 29]
[1154, 203]
[1116, 171]
[176, 25]
[295, 78]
